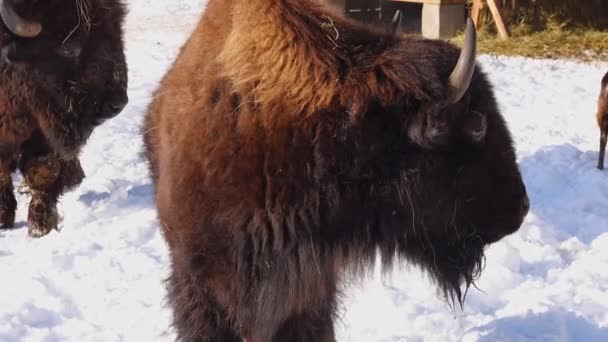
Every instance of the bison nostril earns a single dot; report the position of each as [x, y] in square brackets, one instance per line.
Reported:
[115, 104]
[118, 104]
[117, 107]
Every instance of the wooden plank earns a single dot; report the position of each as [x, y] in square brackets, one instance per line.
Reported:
[337, 4]
[435, 2]
[476, 12]
[495, 9]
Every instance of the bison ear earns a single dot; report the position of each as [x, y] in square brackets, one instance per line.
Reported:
[395, 24]
[476, 127]
[438, 132]
[15, 23]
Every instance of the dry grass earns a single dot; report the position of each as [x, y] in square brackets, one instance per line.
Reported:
[575, 29]
[553, 42]
[542, 14]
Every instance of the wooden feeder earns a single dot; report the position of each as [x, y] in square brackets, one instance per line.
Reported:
[439, 18]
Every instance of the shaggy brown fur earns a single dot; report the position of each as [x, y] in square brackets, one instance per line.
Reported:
[54, 89]
[602, 119]
[289, 145]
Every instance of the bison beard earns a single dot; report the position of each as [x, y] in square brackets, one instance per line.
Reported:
[290, 146]
[62, 73]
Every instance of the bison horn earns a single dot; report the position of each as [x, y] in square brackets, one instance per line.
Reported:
[396, 22]
[17, 25]
[460, 79]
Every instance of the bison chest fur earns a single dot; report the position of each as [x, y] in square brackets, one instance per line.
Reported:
[276, 201]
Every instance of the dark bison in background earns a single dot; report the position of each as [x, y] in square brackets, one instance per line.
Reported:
[289, 146]
[62, 72]
[602, 119]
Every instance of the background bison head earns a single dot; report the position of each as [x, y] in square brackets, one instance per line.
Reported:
[74, 45]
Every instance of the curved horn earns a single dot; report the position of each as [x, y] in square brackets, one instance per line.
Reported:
[16, 24]
[461, 76]
[396, 22]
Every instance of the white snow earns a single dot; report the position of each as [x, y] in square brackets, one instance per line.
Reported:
[101, 277]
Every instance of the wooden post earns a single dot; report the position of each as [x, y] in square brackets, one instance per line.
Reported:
[476, 12]
[495, 9]
[340, 5]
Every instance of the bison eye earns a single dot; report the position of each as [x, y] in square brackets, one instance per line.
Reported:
[437, 132]
[476, 127]
[430, 127]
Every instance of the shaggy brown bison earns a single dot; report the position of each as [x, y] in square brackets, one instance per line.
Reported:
[602, 119]
[62, 72]
[289, 146]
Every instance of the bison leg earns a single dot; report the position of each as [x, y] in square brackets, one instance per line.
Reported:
[196, 316]
[603, 139]
[8, 203]
[48, 176]
[71, 175]
[41, 174]
[307, 327]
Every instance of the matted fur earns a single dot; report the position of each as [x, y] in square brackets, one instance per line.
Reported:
[289, 146]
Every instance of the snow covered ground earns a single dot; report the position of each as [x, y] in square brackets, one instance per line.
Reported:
[100, 278]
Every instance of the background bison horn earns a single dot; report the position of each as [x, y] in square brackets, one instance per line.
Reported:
[460, 79]
[396, 22]
[16, 24]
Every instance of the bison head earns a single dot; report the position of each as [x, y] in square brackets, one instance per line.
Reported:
[458, 177]
[73, 50]
[423, 156]
[425, 133]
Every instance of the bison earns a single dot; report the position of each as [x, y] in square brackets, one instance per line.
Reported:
[62, 73]
[290, 147]
[602, 119]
